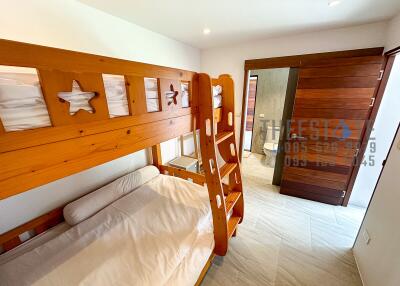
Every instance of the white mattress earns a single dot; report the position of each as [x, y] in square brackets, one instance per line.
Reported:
[160, 234]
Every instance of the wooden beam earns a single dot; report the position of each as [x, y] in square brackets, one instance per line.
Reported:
[54, 216]
[27, 55]
[299, 60]
[205, 269]
[156, 153]
[172, 171]
[29, 138]
[136, 94]
[2, 131]
[53, 161]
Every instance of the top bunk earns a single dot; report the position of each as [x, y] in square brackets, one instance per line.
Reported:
[62, 112]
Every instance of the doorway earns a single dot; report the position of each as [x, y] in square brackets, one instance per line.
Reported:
[324, 142]
[269, 102]
[382, 134]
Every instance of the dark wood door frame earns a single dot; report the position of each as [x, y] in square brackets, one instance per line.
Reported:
[298, 61]
[379, 92]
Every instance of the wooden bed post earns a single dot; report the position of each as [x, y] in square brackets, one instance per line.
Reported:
[156, 153]
[1, 127]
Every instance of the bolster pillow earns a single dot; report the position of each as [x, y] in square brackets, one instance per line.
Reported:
[88, 205]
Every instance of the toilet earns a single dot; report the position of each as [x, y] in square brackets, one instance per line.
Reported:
[270, 147]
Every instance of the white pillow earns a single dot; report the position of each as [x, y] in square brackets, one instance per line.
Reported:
[88, 205]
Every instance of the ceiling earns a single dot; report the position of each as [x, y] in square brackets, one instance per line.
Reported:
[233, 21]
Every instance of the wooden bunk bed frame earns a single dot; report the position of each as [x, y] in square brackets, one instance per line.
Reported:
[73, 143]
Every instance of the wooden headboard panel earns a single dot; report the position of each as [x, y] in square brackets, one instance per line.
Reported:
[34, 157]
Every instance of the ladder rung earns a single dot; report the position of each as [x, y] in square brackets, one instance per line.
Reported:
[227, 169]
[231, 200]
[222, 136]
[232, 225]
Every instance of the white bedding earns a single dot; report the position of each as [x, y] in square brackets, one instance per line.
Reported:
[217, 96]
[160, 234]
[34, 242]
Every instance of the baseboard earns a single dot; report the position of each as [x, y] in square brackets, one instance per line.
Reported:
[358, 268]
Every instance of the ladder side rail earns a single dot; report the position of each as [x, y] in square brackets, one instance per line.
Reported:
[210, 164]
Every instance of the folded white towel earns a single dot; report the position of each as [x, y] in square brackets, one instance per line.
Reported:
[217, 90]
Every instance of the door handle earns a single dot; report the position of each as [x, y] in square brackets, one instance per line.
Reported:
[295, 136]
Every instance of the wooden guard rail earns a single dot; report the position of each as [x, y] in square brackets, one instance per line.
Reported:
[11, 239]
[172, 171]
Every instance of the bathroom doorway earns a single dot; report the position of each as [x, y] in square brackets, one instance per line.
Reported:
[270, 96]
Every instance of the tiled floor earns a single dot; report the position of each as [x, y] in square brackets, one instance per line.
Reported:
[287, 241]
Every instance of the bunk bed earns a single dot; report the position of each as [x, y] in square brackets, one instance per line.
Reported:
[159, 225]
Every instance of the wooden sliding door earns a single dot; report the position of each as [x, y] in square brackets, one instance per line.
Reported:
[332, 105]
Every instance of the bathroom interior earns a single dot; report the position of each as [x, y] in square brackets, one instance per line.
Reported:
[270, 100]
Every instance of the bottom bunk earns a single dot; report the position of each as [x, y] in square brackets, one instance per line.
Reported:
[145, 228]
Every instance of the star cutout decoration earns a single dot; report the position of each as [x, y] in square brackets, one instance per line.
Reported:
[77, 99]
[171, 95]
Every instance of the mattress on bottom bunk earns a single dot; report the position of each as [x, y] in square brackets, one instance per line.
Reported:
[160, 234]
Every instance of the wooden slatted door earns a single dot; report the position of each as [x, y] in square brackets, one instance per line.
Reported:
[251, 103]
[332, 106]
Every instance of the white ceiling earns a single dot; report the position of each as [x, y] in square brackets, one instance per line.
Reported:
[232, 21]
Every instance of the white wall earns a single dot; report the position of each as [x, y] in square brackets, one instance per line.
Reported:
[385, 126]
[230, 59]
[379, 261]
[75, 26]
[393, 33]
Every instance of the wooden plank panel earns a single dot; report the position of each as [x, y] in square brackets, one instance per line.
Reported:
[336, 93]
[316, 181]
[345, 103]
[329, 113]
[341, 71]
[333, 148]
[311, 196]
[338, 82]
[307, 188]
[317, 174]
[251, 101]
[372, 55]
[46, 163]
[53, 82]
[326, 122]
[136, 95]
[34, 137]
[168, 85]
[318, 158]
[27, 55]
[345, 61]
[326, 133]
[337, 169]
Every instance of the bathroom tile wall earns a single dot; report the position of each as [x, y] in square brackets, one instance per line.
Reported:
[270, 98]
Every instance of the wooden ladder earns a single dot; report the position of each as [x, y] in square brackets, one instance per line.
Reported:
[224, 182]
